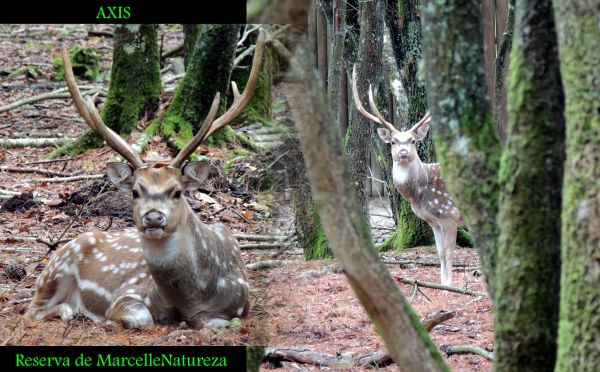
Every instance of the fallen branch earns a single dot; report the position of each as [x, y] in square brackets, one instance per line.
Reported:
[59, 93]
[48, 161]
[375, 360]
[35, 142]
[172, 52]
[7, 192]
[406, 261]
[260, 238]
[50, 243]
[68, 179]
[45, 172]
[268, 264]
[261, 246]
[436, 318]
[467, 349]
[440, 286]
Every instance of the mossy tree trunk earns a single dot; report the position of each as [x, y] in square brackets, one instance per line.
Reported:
[579, 325]
[311, 236]
[500, 110]
[135, 78]
[463, 125]
[343, 221]
[528, 261]
[208, 72]
[190, 36]
[134, 86]
[259, 107]
[404, 24]
[368, 71]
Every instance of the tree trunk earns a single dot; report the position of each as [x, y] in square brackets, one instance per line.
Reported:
[311, 236]
[527, 283]
[579, 329]
[190, 36]
[500, 111]
[368, 71]
[463, 126]
[135, 76]
[208, 72]
[344, 223]
[336, 62]
[404, 24]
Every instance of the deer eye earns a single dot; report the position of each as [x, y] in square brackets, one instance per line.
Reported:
[177, 194]
[394, 141]
[412, 141]
[135, 194]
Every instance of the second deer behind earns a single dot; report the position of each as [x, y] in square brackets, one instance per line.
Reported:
[419, 183]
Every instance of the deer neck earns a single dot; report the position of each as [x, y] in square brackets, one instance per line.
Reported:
[410, 179]
[175, 260]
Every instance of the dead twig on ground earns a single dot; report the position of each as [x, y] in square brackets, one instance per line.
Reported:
[260, 238]
[13, 169]
[68, 179]
[267, 264]
[467, 349]
[57, 94]
[439, 286]
[47, 161]
[35, 142]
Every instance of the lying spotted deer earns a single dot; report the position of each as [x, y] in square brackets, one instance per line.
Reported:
[172, 267]
[419, 183]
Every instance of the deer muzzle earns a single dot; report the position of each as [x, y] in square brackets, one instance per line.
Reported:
[154, 224]
[403, 154]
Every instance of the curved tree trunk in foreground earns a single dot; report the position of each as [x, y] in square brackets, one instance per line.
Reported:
[335, 198]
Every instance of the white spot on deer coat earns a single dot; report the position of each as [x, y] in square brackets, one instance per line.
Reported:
[240, 311]
[436, 201]
[221, 283]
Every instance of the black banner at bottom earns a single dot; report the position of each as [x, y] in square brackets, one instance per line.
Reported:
[223, 358]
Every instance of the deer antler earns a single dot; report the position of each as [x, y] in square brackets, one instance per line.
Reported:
[426, 118]
[239, 102]
[378, 118]
[91, 116]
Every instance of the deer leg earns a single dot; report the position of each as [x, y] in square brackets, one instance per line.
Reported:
[439, 245]
[131, 311]
[449, 242]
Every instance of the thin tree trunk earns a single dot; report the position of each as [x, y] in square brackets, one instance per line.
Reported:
[344, 223]
[190, 36]
[579, 329]
[528, 261]
[368, 71]
[500, 111]
[463, 126]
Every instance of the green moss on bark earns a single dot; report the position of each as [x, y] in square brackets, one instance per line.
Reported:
[89, 140]
[135, 78]
[208, 72]
[579, 324]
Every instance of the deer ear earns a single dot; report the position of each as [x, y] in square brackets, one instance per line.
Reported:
[385, 135]
[121, 174]
[421, 132]
[194, 174]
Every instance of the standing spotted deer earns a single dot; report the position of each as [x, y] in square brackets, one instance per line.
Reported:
[171, 267]
[419, 183]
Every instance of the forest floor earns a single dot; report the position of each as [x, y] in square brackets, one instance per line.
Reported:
[299, 305]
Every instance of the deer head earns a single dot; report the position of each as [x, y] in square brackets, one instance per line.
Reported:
[403, 143]
[157, 188]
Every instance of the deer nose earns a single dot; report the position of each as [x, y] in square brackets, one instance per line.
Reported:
[403, 153]
[154, 219]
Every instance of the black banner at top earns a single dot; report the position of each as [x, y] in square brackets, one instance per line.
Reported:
[125, 11]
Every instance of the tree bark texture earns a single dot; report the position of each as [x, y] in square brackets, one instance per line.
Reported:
[579, 325]
[135, 76]
[500, 110]
[336, 71]
[208, 72]
[463, 126]
[368, 71]
[311, 236]
[190, 36]
[404, 25]
[528, 261]
[349, 235]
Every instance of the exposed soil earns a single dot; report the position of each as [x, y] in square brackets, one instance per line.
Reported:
[299, 305]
